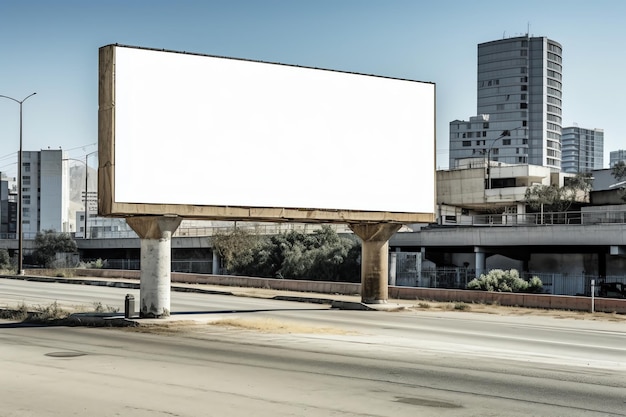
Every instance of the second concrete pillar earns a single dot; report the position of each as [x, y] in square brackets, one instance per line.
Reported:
[375, 259]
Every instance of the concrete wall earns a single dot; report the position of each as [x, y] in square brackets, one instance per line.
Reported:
[562, 302]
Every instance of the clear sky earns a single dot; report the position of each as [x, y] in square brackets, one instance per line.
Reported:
[51, 48]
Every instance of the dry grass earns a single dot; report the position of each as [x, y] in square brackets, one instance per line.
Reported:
[519, 311]
[267, 325]
[35, 314]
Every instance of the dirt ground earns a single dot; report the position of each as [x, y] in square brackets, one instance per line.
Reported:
[519, 311]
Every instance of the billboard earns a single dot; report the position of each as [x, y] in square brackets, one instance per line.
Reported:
[209, 137]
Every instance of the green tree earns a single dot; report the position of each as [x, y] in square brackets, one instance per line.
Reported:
[553, 198]
[48, 243]
[5, 259]
[321, 255]
[236, 247]
[619, 173]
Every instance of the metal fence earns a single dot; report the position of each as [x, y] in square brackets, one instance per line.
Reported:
[548, 218]
[194, 266]
[409, 273]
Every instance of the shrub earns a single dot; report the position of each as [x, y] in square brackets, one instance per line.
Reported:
[48, 244]
[499, 280]
[321, 255]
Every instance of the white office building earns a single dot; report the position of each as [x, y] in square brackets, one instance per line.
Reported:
[617, 156]
[583, 149]
[519, 101]
[45, 192]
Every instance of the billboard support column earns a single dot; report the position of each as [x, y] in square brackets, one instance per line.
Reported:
[156, 252]
[374, 259]
[480, 258]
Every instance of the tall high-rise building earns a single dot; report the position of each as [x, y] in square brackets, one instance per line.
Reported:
[616, 156]
[583, 149]
[519, 102]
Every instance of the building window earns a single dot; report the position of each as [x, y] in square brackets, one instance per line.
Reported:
[506, 141]
[524, 141]
[26, 166]
[485, 125]
[523, 105]
[524, 87]
[484, 134]
[467, 143]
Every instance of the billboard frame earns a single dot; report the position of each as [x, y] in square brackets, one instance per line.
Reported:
[109, 207]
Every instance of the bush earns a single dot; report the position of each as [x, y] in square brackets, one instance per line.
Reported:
[97, 264]
[321, 255]
[499, 280]
[5, 259]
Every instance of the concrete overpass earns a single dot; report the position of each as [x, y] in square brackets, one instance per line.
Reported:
[605, 242]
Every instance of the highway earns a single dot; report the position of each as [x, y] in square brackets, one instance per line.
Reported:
[247, 356]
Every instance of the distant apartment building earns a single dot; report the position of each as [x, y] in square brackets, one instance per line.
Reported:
[45, 192]
[617, 156]
[582, 150]
[8, 208]
[519, 101]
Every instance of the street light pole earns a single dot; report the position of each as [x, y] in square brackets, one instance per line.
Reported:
[86, 192]
[86, 200]
[504, 133]
[20, 245]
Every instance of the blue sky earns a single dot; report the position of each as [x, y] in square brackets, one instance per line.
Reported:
[51, 48]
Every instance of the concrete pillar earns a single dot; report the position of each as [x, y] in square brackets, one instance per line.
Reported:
[156, 253]
[215, 265]
[375, 259]
[480, 260]
[393, 266]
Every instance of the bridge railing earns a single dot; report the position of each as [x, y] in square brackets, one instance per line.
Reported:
[501, 219]
[549, 218]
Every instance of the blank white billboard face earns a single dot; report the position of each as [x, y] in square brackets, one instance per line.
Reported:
[192, 130]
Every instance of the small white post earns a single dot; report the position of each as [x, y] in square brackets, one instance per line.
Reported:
[593, 294]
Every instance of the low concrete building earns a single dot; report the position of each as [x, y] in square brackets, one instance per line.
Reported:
[479, 186]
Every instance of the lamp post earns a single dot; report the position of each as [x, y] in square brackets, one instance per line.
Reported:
[86, 189]
[504, 133]
[20, 246]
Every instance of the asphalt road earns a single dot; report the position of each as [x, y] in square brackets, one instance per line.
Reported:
[259, 357]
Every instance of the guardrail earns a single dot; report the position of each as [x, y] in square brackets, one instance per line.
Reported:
[541, 219]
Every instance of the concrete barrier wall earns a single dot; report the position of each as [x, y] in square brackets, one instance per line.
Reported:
[547, 301]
